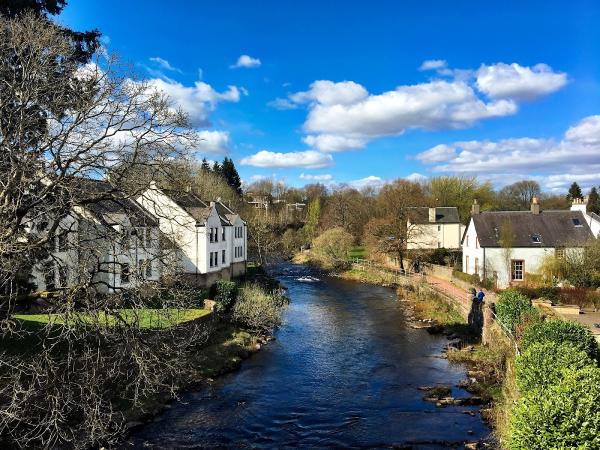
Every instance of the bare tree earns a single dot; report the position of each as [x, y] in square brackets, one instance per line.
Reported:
[75, 150]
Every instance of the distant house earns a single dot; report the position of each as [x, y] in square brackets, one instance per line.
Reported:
[431, 228]
[211, 239]
[109, 244]
[506, 246]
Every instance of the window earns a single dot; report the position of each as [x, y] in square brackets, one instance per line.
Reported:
[467, 241]
[517, 269]
[63, 276]
[559, 253]
[439, 228]
[211, 239]
[148, 269]
[466, 268]
[216, 234]
[125, 272]
[536, 238]
[223, 234]
[216, 258]
[577, 222]
[223, 257]
[476, 266]
[211, 260]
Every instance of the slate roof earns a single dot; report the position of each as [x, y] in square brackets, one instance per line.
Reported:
[106, 202]
[443, 214]
[550, 228]
[191, 203]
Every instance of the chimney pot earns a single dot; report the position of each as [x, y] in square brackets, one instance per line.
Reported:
[535, 206]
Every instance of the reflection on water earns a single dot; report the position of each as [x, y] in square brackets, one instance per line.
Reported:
[343, 372]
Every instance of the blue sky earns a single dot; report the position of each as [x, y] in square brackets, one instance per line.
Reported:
[364, 92]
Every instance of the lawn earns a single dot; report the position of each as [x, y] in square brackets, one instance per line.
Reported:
[357, 252]
[147, 318]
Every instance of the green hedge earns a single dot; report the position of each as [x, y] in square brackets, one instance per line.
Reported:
[564, 416]
[543, 363]
[548, 292]
[225, 295]
[512, 307]
[561, 331]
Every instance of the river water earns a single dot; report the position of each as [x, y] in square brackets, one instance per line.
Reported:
[343, 372]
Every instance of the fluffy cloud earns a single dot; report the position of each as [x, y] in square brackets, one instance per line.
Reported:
[247, 62]
[576, 157]
[164, 64]
[323, 177]
[309, 159]
[345, 116]
[433, 64]
[416, 177]
[368, 182]
[517, 82]
[215, 142]
[333, 143]
[197, 100]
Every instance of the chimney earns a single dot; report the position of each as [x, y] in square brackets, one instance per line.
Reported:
[432, 215]
[535, 206]
[475, 208]
[579, 204]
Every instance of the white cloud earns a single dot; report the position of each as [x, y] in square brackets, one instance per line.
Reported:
[247, 62]
[164, 64]
[416, 177]
[197, 100]
[308, 159]
[325, 92]
[216, 142]
[333, 143]
[282, 104]
[433, 64]
[345, 116]
[556, 164]
[322, 177]
[518, 82]
[370, 181]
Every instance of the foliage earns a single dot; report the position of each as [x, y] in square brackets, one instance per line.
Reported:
[257, 309]
[473, 279]
[543, 363]
[593, 204]
[225, 295]
[547, 292]
[519, 196]
[312, 218]
[460, 192]
[292, 240]
[332, 247]
[574, 192]
[561, 331]
[566, 415]
[511, 307]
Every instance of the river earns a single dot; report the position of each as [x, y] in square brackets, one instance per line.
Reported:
[343, 372]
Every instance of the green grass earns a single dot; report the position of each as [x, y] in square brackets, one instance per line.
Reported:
[357, 252]
[145, 318]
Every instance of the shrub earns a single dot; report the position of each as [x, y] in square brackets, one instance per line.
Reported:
[225, 294]
[561, 331]
[511, 307]
[331, 248]
[257, 309]
[542, 364]
[473, 279]
[566, 415]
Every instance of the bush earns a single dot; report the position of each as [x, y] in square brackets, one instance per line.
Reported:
[566, 415]
[473, 279]
[542, 364]
[561, 331]
[511, 308]
[331, 248]
[548, 292]
[225, 294]
[257, 309]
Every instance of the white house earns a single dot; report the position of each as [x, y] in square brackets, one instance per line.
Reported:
[592, 219]
[528, 238]
[211, 239]
[431, 228]
[109, 244]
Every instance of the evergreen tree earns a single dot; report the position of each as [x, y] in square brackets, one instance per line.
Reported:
[574, 192]
[205, 167]
[217, 168]
[594, 201]
[230, 173]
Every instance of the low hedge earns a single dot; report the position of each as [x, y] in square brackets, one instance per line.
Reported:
[225, 295]
[512, 307]
[561, 331]
[543, 363]
[563, 416]
[548, 292]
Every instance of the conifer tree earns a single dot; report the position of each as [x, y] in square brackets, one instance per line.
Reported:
[594, 201]
[574, 192]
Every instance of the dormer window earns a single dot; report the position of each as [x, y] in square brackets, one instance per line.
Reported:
[536, 238]
[577, 222]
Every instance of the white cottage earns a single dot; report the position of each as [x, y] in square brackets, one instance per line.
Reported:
[211, 239]
[528, 238]
[431, 228]
[592, 219]
[109, 243]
